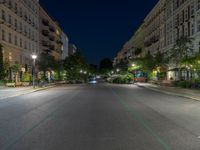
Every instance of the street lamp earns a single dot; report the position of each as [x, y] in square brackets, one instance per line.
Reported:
[34, 57]
[133, 65]
[118, 70]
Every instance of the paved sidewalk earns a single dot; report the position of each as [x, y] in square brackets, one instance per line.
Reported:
[12, 92]
[188, 93]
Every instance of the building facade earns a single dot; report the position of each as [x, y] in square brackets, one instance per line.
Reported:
[168, 21]
[65, 46]
[154, 25]
[19, 31]
[133, 48]
[50, 35]
[72, 49]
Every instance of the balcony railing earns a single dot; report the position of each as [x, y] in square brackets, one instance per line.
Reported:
[45, 43]
[51, 28]
[45, 22]
[45, 32]
[52, 38]
[52, 47]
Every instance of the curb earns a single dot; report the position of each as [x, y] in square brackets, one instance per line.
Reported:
[170, 93]
[28, 92]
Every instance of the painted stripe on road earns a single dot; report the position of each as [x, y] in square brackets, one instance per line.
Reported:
[142, 121]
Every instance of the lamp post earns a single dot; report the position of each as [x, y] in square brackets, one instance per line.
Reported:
[133, 65]
[34, 57]
[118, 70]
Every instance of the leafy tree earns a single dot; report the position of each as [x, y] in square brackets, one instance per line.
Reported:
[161, 62]
[181, 51]
[122, 66]
[106, 66]
[76, 67]
[2, 67]
[46, 62]
[193, 64]
[15, 69]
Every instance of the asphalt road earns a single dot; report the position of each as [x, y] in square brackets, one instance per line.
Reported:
[99, 117]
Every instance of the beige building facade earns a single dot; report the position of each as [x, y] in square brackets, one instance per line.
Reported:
[133, 48]
[19, 31]
[154, 25]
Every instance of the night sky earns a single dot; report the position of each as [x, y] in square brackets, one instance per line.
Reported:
[99, 28]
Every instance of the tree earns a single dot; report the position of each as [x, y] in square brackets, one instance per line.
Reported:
[46, 62]
[122, 66]
[145, 64]
[15, 69]
[194, 64]
[76, 67]
[106, 66]
[161, 62]
[2, 67]
[181, 51]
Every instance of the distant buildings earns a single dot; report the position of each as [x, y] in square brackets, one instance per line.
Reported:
[132, 48]
[166, 22]
[72, 49]
[65, 46]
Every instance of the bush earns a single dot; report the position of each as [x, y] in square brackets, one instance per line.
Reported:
[2, 82]
[123, 79]
[26, 77]
[185, 84]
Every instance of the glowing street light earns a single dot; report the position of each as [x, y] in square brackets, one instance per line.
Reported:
[118, 70]
[34, 57]
[133, 65]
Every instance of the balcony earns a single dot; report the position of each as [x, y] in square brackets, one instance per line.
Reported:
[52, 47]
[45, 22]
[51, 28]
[59, 42]
[52, 38]
[45, 32]
[45, 43]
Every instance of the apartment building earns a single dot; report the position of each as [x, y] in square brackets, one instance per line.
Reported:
[50, 35]
[132, 48]
[154, 25]
[72, 49]
[65, 46]
[19, 31]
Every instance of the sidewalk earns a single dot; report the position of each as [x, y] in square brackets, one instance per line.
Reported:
[12, 92]
[187, 93]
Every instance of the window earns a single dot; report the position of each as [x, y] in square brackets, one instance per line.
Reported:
[20, 26]
[192, 29]
[3, 35]
[198, 25]
[16, 7]
[15, 39]
[25, 44]
[20, 42]
[198, 4]
[16, 23]
[10, 19]
[3, 15]
[10, 38]
[192, 10]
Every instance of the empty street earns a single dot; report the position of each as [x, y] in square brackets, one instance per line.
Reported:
[99, 117]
